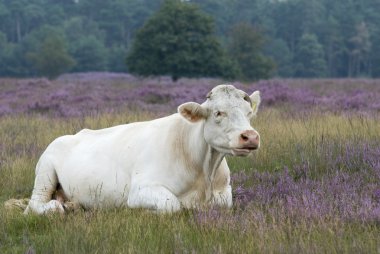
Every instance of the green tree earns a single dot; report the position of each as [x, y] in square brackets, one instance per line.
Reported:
[90, 54]
[86, 44]
[24, 16]
[372, 19]
[4, 53]
[77, 27]
[51, 58]
[359, 55]
[309, 58]
[347, 30]
[178, 41]
[19, 64]
[119, 18]
[116, 61]
[281, 55]
[288, 17]
[333, 42]
[246, 48]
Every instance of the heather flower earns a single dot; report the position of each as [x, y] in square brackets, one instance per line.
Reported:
[98, 92]
[340, 196]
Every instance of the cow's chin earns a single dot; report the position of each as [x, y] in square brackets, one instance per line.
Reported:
[234, 150]
[223, 149]
[241, 152]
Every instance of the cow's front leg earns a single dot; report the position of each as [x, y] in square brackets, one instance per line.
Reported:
[156, 198]
[222, 197]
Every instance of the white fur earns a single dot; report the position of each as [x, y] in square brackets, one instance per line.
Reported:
[162, 165]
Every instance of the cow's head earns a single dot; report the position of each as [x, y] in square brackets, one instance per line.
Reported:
[227, 113]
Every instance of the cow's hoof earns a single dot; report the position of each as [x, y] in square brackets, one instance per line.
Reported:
[53, 206]
[71, 206]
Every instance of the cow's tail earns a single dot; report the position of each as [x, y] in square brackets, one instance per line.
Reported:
[45, 186]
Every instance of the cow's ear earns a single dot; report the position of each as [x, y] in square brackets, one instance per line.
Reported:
[192, 111]
[256, 99]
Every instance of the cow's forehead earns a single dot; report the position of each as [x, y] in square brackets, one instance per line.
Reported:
[226, 96]
[225, 90]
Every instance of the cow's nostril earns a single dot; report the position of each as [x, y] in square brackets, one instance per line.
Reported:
[244, 137]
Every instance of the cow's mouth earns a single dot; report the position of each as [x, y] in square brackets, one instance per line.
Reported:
[243, 151]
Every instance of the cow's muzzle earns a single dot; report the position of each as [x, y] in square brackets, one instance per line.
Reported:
[249, 140]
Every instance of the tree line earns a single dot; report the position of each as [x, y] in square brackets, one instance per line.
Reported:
[250, 39]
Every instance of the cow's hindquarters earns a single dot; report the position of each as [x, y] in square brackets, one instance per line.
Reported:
[44, 186]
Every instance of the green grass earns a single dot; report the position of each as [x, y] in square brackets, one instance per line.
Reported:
[286, 141]
[131, 231]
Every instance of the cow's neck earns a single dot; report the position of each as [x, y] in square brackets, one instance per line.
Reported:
[205, 156]
[211, 164]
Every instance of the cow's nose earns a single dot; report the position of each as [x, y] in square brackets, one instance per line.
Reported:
[250, 138]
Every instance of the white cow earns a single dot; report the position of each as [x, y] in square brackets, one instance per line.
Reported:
[162, 165]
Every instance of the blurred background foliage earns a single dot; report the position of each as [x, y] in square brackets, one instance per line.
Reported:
[239, 39]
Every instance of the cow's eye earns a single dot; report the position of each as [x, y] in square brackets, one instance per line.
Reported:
[250, 114]
[219, 113]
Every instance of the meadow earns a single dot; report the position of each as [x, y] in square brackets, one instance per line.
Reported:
[313, 187]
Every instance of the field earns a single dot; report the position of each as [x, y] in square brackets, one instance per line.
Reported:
[313, 187]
